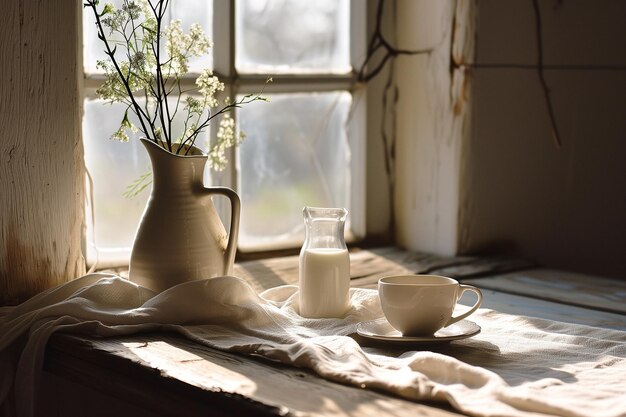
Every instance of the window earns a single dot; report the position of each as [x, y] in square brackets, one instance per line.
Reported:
[305, 147]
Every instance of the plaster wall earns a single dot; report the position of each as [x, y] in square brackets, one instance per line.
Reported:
[520, 195]
[432, 116]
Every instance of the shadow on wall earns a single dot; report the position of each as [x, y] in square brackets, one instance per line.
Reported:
[522, 195]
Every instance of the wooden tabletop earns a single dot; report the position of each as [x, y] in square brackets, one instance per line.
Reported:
[165, 374]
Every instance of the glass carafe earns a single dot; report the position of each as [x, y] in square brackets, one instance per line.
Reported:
[324, 264]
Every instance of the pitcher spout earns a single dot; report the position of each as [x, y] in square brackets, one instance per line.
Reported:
[155, 149]
[176, 171]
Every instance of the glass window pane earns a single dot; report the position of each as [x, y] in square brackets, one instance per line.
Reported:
[113, 166]
[293, 36]
[188, 11]
[296, 153]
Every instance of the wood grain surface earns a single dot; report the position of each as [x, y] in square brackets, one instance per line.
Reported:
[367, 266]
[162, 374]
[560, 286]
[41, 155]
[216, 382]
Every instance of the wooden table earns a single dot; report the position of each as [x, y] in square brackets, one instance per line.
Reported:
[165, 374]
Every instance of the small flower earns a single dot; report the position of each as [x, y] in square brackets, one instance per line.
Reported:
[114, 19]
[199, 44]
[145, 8]
[138, 60]
[120, 134]
[145, 65]
[108, 8]
[193, 105]
[132, 9]
[208, 85]
[175, 47]
[227, 137]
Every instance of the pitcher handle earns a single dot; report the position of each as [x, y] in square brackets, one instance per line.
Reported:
[233, 234]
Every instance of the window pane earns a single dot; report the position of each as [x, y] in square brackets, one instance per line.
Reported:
[113, 166]
[188, 11]
[296, 153]
[293, 36]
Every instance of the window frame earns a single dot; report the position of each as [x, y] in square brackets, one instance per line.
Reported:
[224, 67]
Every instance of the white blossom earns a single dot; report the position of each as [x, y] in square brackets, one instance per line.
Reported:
[208, 85]
[227, 137]
[147, 60]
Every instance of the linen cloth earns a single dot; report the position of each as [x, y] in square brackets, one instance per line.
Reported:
[517, 366]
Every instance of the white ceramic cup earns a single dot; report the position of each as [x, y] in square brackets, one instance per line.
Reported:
[418, 305]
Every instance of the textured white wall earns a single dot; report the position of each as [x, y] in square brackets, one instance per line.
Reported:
[563, 207]
[41, 168]
[431, 121]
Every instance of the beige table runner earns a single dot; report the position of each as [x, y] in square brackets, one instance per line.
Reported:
[517, 366]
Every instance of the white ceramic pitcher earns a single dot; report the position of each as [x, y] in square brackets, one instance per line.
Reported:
[180, 236]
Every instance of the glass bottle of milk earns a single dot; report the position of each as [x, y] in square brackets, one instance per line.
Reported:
[324, 264]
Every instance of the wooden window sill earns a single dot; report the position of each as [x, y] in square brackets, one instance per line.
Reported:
[165, 374]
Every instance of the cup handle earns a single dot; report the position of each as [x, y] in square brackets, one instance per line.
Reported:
[471, 310]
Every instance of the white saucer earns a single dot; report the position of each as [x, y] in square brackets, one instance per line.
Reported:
[381, 330]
